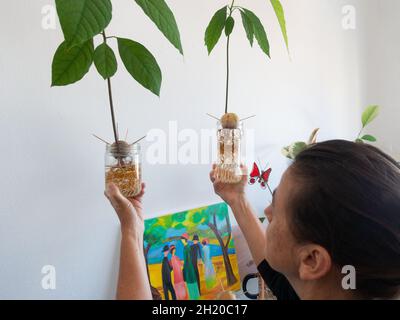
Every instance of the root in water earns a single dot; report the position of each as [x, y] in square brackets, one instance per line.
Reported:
[126, 177]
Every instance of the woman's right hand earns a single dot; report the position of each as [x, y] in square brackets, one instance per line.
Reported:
[129, 210]
[229, 192]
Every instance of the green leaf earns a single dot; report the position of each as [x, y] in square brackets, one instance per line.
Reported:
[259, 31]
[81, 20]
[141, 64]
[369, 115]
[368, 137]
[71, 64]
[229, 24]
[280, 14]
[159, 12]
[214, 29]
[248, 27]
[285, 152]
[296, 148]
[105, 61]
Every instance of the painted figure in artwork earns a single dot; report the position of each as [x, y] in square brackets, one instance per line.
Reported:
[189, 272]
[179, 283]
[195, 252]
[208, 265]
[166, 270]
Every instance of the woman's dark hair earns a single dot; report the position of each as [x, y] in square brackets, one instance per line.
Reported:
[349, 203]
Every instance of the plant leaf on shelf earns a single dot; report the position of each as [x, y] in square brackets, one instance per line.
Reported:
[369, 138]
[71, 64]
[159, 12]
[369, 115]
[105, 61]
[296, 148]
[259, 31]
[285, 152]
[215, 28]
[229, 25]
[248, 27]
[81, 20]
[141, 64]
[280, 14]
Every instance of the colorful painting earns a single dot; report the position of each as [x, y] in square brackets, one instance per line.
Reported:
[191, 255]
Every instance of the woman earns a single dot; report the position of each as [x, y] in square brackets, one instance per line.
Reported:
[208, 265]
[337, 205]
[179, 283]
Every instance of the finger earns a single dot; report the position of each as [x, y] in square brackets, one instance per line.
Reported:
[141, 193]
[114, 195]
[137, 205]
[109, 190]
[214, 166]
[212, 176]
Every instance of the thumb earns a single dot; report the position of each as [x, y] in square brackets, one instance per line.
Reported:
[115, 196]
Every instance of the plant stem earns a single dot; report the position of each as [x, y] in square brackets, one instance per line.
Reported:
[110, 98]
[227, 62]
[359, 134]
[227, 75]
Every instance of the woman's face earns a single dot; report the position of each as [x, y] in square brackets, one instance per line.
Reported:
[280, 243]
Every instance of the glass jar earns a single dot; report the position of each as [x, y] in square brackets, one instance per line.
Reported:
[229, 155]
[123, 167]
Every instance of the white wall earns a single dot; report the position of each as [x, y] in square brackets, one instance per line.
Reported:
[52, 207]
[380, 70]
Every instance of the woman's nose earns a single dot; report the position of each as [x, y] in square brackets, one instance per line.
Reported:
[268, 213]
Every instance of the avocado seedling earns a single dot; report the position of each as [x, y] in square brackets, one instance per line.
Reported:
[229, 135]
[369, 115]
[81, 22]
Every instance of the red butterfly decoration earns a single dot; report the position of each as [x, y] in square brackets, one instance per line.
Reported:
[259, 176]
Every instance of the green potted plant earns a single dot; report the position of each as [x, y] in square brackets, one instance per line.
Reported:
[83, 20]
[295, 148]
[229, 133]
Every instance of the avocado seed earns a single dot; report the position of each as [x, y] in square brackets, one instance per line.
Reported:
[230, 121]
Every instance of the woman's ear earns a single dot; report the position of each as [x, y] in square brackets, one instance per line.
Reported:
[314, 262]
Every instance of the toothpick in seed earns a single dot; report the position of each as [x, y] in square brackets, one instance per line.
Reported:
[100, 139]
[138, 140]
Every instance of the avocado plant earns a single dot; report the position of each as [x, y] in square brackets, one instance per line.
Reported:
[83, 20]
[223, 20]
[369, 115]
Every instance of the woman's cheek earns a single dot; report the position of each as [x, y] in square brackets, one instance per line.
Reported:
[269, 247]
[274, 249]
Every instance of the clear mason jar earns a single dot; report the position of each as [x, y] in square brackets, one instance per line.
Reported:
[123, 167]
[229, 154]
